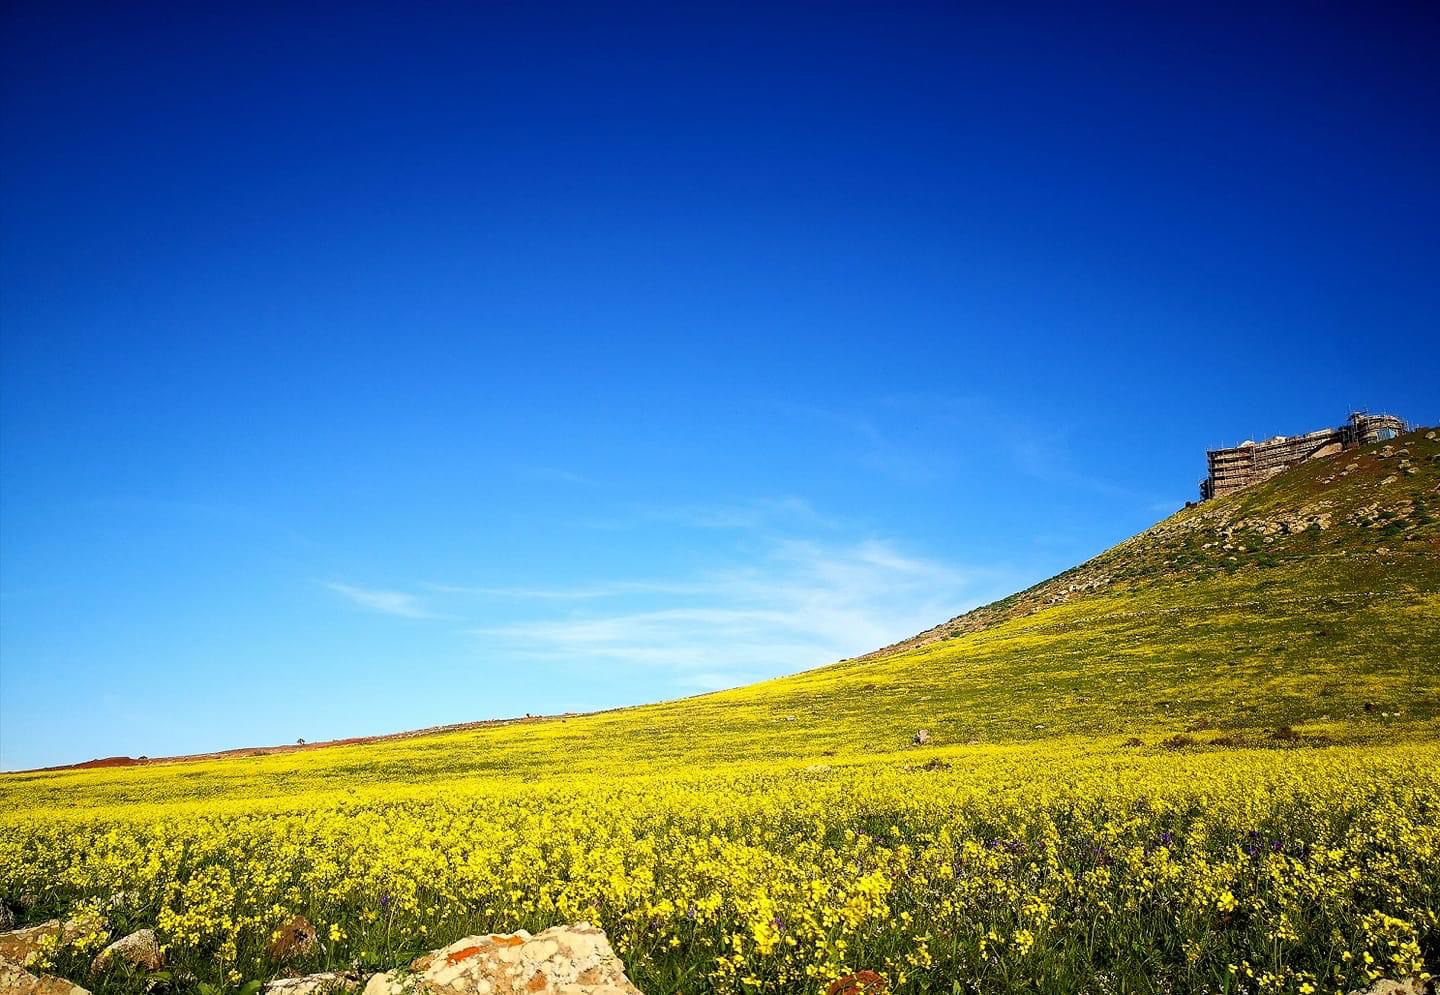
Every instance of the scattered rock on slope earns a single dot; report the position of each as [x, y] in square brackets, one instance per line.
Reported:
[1410, 986]
[563, 960]
[294, 940]
[18, 945]
[15, 980]
[139, 949]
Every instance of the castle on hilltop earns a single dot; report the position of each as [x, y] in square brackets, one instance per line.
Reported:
[1250, 462]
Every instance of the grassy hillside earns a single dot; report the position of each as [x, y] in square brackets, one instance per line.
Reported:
[1309, 601]
[1204, 752]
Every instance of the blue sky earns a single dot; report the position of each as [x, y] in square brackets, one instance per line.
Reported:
[421, 363]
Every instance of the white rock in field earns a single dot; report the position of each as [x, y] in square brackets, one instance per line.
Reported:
[563, 960]
[139, 949]
[15, 980]
[325, 983]
[1410, 986]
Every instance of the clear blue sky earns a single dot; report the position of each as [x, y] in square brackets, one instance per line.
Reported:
[371, 368]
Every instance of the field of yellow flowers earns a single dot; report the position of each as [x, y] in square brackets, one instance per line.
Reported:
[1203, 762]
[1055, 867]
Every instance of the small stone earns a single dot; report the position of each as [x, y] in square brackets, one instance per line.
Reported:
[294, 940]
[324, 983]
[921, 738]
[15, 980]
[1410, 986]
[859, 983]
[7, 917]
[139, 949]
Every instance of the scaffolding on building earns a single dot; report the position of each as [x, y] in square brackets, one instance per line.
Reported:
[1238, 467]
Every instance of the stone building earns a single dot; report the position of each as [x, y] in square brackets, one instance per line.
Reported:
[1250, 462]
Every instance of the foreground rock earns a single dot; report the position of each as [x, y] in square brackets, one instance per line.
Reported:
[139, 949]
[18, 944]
[15, 980]
[325, 983]
[563, 960]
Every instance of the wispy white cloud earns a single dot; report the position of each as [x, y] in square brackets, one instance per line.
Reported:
[398, 603]
[584, 592]
[787, 594]
[803, 604]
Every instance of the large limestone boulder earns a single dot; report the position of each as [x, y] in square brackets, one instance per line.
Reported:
[15, 980]
[563, 960]
[138, 949]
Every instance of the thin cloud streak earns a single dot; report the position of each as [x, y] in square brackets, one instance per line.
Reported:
[797, 597]
[616, 589]
[806, 604]
[397, 603]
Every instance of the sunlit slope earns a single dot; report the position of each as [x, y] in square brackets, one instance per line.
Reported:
[1309, 601]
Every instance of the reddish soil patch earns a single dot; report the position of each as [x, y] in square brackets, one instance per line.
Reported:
[105, 762]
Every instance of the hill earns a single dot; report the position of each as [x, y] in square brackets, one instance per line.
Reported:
[1307, 601]
[1259, 671]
